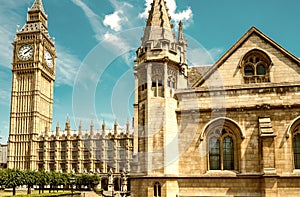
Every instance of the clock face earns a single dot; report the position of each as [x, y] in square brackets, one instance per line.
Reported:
[25, 52]
[48, 59]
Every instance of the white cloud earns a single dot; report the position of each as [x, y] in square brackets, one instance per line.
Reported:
[8, 29]
[185, 15]
[66, 66]
[147, 9]
[93, 18]
[119, 17]
[114, 20]
[116, 42]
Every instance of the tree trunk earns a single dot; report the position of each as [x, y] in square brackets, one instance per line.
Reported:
[14, 191]
[28, 189]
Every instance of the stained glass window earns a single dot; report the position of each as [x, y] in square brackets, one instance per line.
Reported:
[297, 151]
[214, 154]
[228, 152]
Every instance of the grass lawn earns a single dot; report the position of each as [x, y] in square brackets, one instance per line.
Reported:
[6, 193]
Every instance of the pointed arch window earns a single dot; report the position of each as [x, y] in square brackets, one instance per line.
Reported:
[228, 153]
[256, 65]
[221, 149]
[157, 190]
[214, 153]
[296, 147]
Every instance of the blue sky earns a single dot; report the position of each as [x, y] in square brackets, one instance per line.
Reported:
[96, 42]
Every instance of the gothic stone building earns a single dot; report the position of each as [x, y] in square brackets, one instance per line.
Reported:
[231, 129]
[31, 145]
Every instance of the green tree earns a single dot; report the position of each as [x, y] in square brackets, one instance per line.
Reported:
[30, 179]
[43, 178]
[56, 179]
[87, 180]
[13, 179]
[3, 173]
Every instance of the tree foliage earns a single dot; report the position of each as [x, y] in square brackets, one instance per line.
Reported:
[12, 178]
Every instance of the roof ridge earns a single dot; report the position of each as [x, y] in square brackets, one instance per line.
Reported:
[252, 30]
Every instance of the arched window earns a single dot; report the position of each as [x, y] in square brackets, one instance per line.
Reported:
[296, 140]
[228, 153]
[256, 65]
[260, 69]
[249, 70]
[157, 190]
[221, 149]
[214, 154]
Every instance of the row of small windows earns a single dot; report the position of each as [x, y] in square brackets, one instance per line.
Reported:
[86, 155]
[86, 144]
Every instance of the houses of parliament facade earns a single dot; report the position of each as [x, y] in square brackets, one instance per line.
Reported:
[230, 129]
[32, 145]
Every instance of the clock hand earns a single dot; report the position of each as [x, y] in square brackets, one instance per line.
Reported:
[27, 51]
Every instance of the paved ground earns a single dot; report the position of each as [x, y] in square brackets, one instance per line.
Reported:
[89, 194]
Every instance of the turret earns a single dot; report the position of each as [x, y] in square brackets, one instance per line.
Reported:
[57, 130]
[160, 68]
[46, 131]
[80, 129]
[127, 127]
[103, 128]
[92, 129]
[116, 128]
[68, 127]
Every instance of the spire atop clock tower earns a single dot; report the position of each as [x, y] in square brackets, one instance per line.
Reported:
[36, 19]
[37, 6]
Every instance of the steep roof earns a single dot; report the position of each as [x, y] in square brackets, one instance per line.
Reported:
[37, 6]
[158, 23]
[245, 37]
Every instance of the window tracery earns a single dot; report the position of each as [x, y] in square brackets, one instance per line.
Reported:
[296, 148]
[256, 65]
[221, 148]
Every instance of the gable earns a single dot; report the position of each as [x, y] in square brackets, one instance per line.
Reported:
[229, 70]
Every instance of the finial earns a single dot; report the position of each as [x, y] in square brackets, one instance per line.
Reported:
[127, 126]
[57, 129]
[68, 127]
[80, 126]
[92, 129]
[116, 128]
[103, 128]
[80, 129]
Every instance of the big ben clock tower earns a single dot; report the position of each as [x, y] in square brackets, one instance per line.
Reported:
[33, 74]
